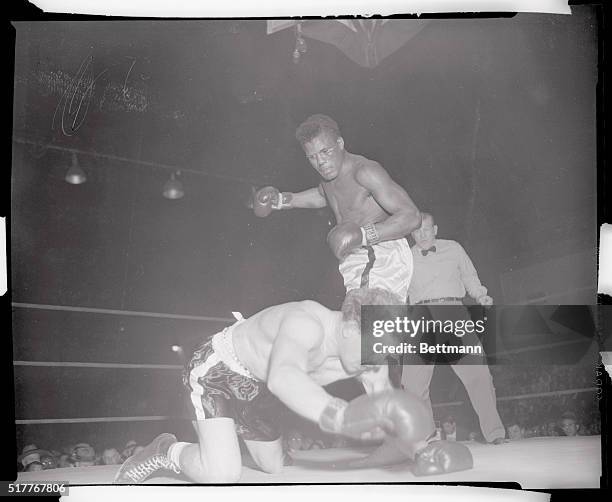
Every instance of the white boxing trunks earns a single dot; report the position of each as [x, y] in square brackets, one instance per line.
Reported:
[386, 265]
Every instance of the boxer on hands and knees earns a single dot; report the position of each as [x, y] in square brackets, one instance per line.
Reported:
[291, 351]
[373, 213]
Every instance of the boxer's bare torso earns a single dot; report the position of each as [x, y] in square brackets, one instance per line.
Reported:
[254, 340]
[348, 198]
[359, 191]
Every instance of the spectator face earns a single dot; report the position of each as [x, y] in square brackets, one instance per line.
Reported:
[294, 441]
[111, 456]
[83, 455]
[83, 452]
[34, 466]
[515, 432]
[48, 462]
[552, 429]
[449, 427]
[569, 427]
[30, 453]
[128, 451]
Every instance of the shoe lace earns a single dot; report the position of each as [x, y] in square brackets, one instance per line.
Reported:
[140, 471]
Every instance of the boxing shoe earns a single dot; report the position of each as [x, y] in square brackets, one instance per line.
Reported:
[141, 465]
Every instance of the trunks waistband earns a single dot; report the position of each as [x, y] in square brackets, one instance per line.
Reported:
[223, 345]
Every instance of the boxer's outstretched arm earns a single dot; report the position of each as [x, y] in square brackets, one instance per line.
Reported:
[309, 199]
[269, 198]
[288, 377]
[386, 454]
[404, 215]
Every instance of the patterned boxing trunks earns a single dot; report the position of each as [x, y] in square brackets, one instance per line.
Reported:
[386, 265]
[220, 386]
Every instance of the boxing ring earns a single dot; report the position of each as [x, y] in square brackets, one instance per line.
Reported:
[535, 463]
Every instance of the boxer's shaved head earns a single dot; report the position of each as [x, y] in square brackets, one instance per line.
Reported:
[317, 125]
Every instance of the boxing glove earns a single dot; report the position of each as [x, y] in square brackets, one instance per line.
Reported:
[344, 238]
[396, 413]
[265, 200]
[440, 457]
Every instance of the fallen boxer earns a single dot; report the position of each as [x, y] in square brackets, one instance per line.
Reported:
[290, 351]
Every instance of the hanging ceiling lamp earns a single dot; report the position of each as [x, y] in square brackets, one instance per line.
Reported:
[75, 175]
[173, 189]
[300, 44]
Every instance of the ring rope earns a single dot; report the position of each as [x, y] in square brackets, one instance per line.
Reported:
[540, 347]
[119, 312]
[526, 396]
[89, 420]
[70, 364]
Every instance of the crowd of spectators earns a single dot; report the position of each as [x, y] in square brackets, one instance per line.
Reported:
[532, 400]
[555, 414]
[524, 379]
[537, 414]
[567, 423]
[33, 458]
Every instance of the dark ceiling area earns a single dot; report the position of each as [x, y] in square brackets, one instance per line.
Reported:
[487, 123]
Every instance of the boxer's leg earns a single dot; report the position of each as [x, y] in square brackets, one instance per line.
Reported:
[152, 458]
[216, 458]
[268, 455]
[258, 427]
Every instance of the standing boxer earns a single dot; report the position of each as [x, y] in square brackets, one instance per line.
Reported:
[291, 351]
[373, 213]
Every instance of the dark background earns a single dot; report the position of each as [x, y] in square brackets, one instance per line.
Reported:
[487, 123]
